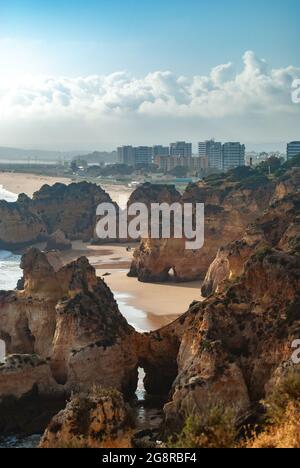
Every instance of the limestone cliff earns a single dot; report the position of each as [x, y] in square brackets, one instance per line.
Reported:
[278, 227]
[229, 347]
[69, 317]
[19, 226]
[58, 241]
[68, 208]
[97, 420]
[231, 201]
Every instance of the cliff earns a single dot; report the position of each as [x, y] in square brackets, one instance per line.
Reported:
[67, 208]
[67, 317]
[227, 349]
[231, 201]
[277, 228]
[19, 226]
[232, 348]
[97, 420]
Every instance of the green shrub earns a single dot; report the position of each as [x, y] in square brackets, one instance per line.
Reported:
[287, 392]
[215, 428]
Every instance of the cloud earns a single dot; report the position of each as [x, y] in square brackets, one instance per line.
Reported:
[221, 93]
[256, 90]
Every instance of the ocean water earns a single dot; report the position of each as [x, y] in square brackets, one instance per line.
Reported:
[6, 195]
[10, 271]
[135, 317]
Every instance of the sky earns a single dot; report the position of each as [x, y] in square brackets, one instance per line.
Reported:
[97, 74]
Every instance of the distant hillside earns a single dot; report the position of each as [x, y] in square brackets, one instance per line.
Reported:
[18, 154]
[22, 154]
[100, 157]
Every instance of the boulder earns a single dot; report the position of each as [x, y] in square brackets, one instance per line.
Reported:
[58, 241]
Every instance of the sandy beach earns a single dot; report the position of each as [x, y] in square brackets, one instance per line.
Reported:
[27, 183]
[146, 306]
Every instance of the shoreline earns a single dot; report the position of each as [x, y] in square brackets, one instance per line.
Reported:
[27, 183]
[147, 306]
[17, 182]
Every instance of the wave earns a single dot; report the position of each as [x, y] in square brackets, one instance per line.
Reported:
[10, 271]
[7, 196]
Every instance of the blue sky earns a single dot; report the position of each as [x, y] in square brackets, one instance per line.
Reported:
[187, 69]
[186, 37]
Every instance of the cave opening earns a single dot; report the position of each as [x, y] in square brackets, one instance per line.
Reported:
[2, 350]
[172, 274]
[140, 390]
[156, 381]
[5, 344]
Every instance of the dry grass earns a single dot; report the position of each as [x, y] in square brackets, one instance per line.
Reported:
[214, 429]
[283, 425]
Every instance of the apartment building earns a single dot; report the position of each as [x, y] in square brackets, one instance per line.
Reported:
[293, 149]
[212, 150]
[181, 148]
[126, 155]
[233, 155]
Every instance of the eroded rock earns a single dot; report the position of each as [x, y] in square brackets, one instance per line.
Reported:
[97, 420]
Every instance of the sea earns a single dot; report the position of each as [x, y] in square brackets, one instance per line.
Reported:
[10, 271]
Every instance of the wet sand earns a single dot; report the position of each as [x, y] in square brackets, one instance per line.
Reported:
[27, 183]
[146, 306]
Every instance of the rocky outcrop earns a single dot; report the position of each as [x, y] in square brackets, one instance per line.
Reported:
[58, 241]
[68, 208]
[97, 420]
[231, 203]
[154, 193]
[19, 226]
[230, 346]
[68, 317]
[19, 374]
[29, 394]
[279, 227]
[287, 184]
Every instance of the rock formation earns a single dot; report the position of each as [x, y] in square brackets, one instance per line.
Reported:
[277, 228]
[19, 226]
[65, 332]
[231, 201]
[154, 193]
[68, 208]
[97, 420]
[231, 347]
[58, 241]
[19, 374]
[69, 319]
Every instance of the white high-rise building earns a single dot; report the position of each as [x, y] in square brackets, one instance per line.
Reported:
[293, 149]
[233, 155]
[212, 150]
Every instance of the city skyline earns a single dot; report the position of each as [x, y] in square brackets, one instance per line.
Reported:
[95, 76]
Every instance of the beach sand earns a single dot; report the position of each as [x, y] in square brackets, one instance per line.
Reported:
[27, 183]
[146, 306]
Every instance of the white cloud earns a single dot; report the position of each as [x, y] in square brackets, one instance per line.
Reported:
[256, 90]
